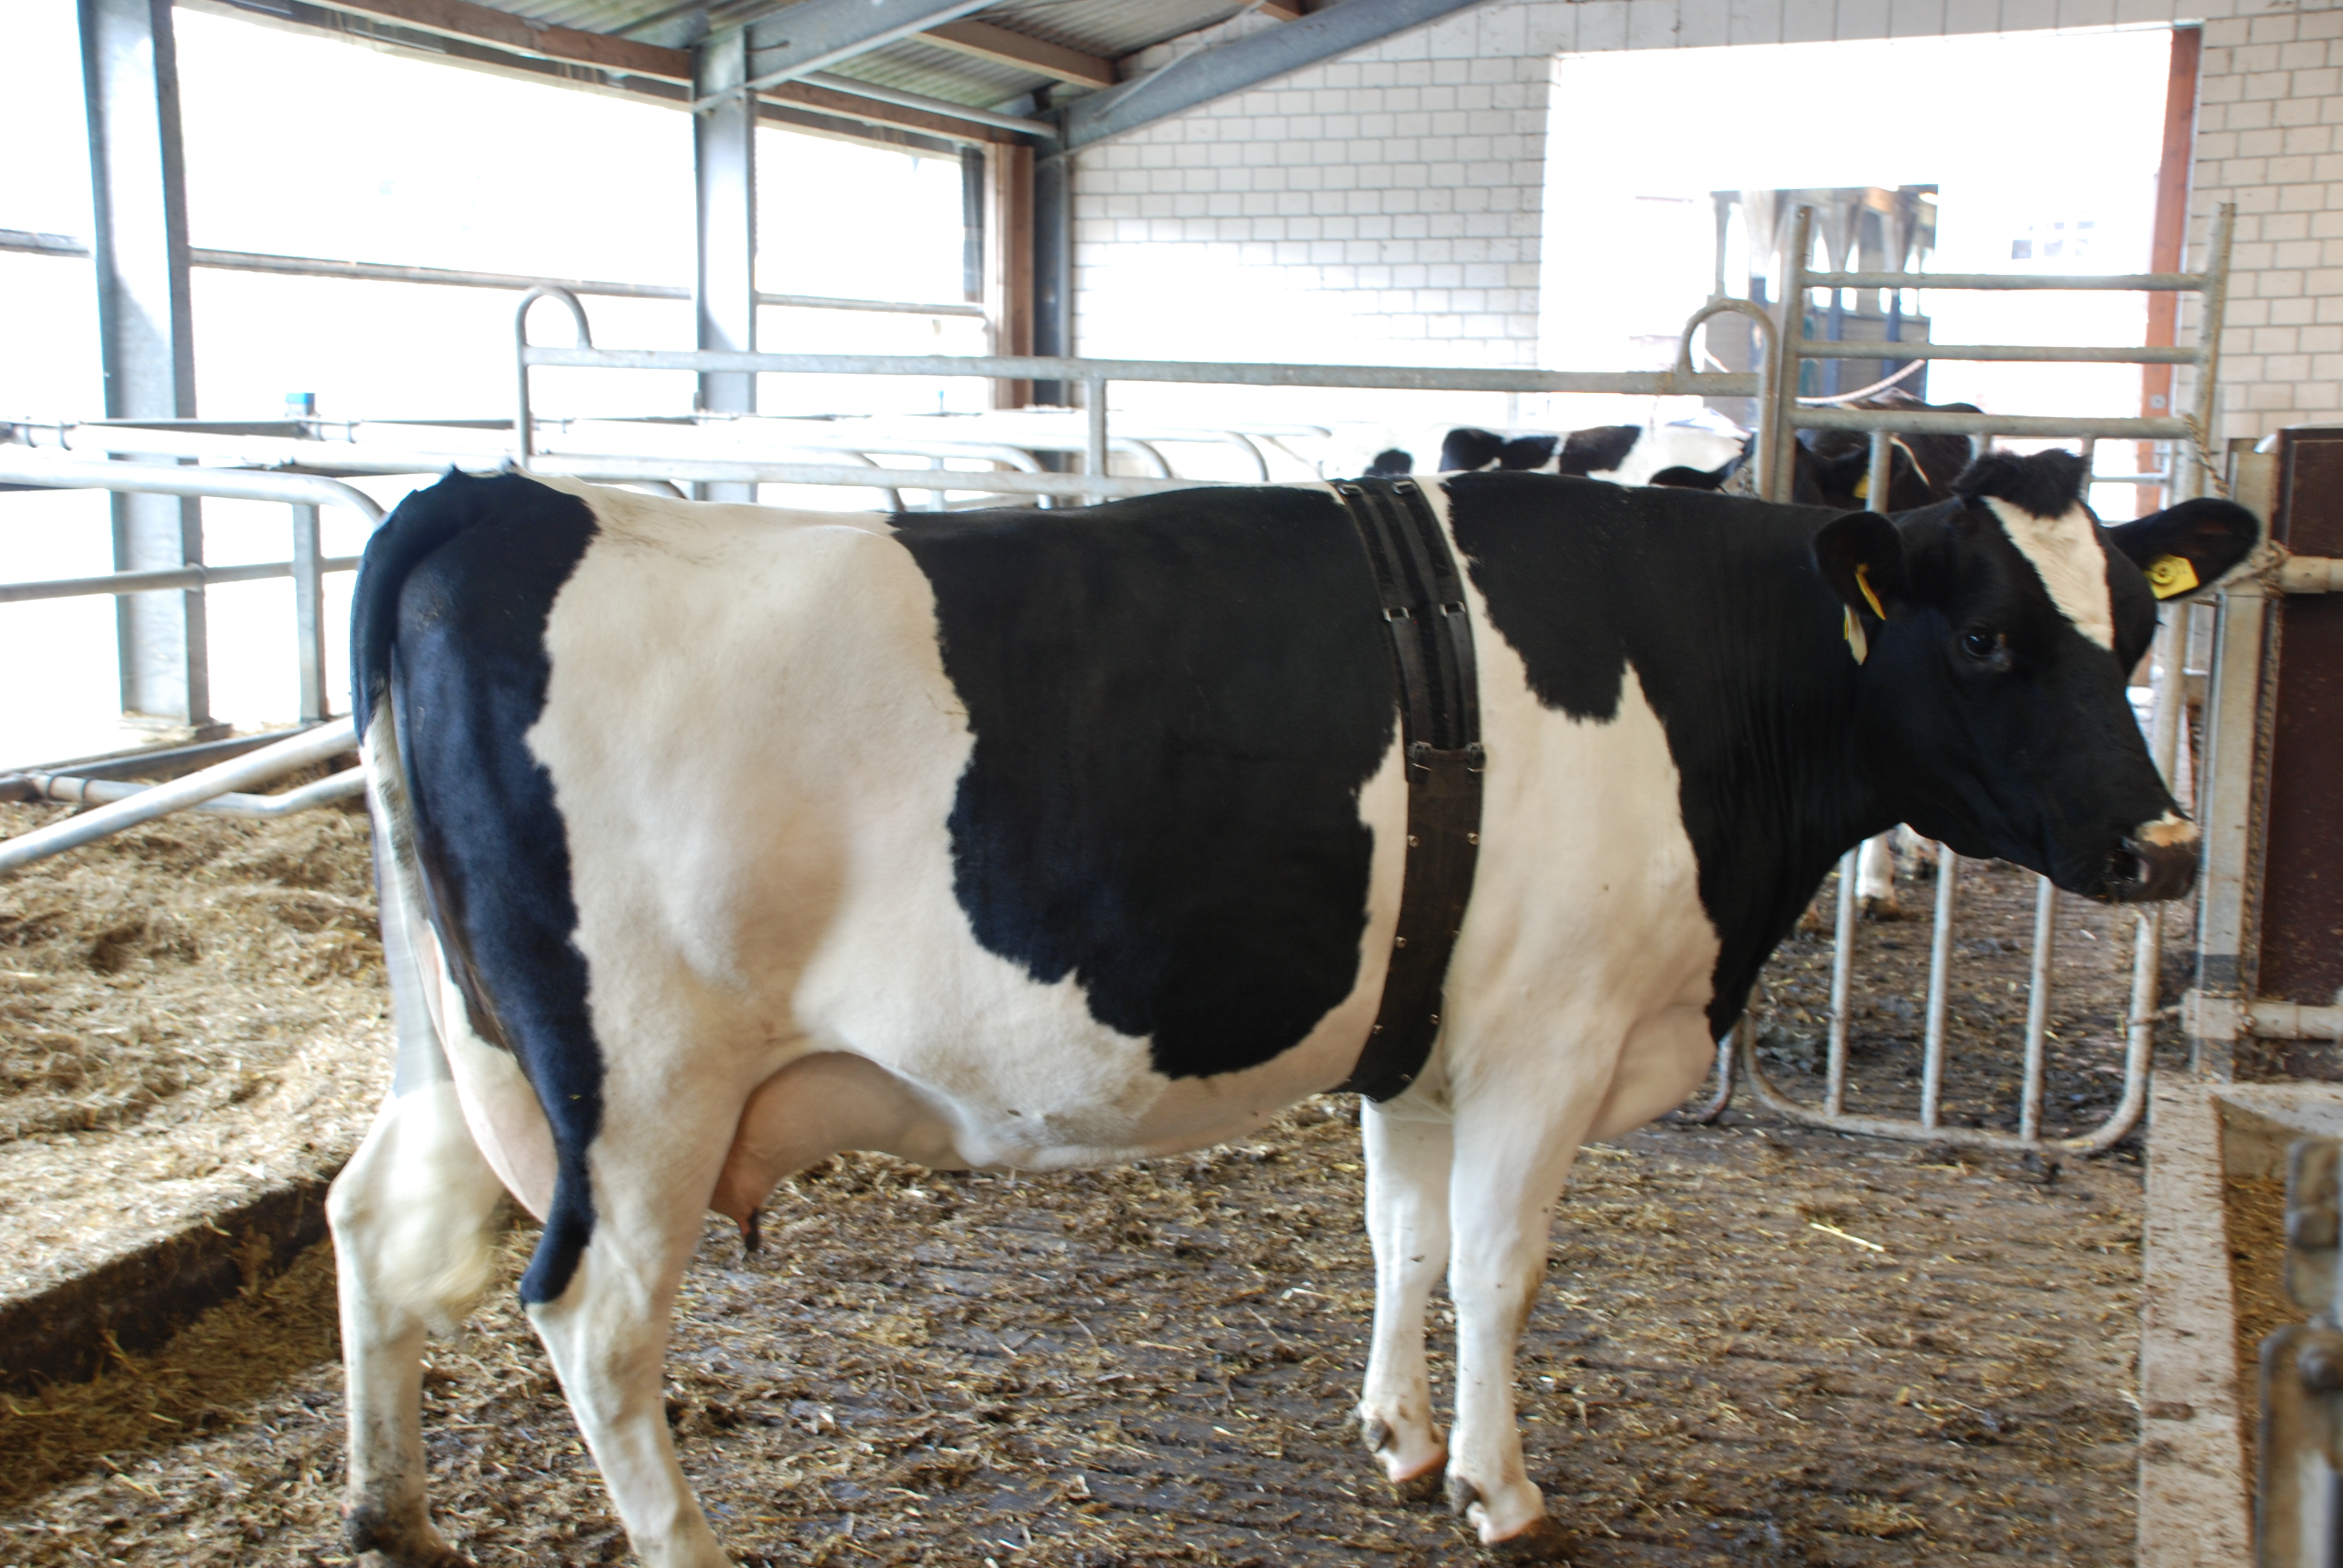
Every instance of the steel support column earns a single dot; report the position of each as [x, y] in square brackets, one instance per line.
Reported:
[1053, 270]
[724, 166]
[130, 85]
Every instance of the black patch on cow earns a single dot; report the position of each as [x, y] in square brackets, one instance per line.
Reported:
[1391, 463]
[1683, 479]
[1175, 701]
[459, 582]
[1598, 450]
[1527, 452]
[1468, 447]
[1712, 599]
[2045, 484]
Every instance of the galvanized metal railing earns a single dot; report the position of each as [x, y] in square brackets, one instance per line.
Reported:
[1095, 376]
[304, 493]
[2189, 433]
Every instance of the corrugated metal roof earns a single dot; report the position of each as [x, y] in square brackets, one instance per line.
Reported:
[1107, 30]
[917, 68]
[1110, 28]
[585, 15]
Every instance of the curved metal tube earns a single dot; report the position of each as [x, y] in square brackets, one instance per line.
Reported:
[1251, 450]
[524, 422]
[1769, 417]
[228, 484]
[348, 785]
[296, 751]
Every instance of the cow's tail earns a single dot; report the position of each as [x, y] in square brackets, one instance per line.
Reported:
[422, 523]
[414, 1197]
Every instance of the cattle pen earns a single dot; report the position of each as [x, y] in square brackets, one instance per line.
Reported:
[1970, 1246]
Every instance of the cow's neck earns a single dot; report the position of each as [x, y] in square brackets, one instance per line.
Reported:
[1735, 639]
[1757, 692]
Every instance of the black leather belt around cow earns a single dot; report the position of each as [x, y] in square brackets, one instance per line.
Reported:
[1440, 729]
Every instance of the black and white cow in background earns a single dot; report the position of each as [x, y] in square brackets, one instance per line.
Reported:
[1834, 466]
[716, 840]
[1686, 456]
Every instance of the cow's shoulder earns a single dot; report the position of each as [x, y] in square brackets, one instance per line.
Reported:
[1175, 703]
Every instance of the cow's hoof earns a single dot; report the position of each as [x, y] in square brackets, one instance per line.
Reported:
[1420, 1484]
[1538, 1541]
[1887, 909]
[382, 1542]
[1542, 1541]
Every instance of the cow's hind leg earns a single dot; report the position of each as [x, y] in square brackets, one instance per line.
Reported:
[607, 1331]
[1408, 1153]
[411, 1216]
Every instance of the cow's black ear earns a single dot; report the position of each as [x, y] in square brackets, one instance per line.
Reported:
[1861, 556]
[2191, 545]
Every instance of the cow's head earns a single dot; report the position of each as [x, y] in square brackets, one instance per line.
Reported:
[1997, 631]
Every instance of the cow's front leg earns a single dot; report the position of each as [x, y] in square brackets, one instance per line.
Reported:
[607, 1331]
[1875, 877]
[1513, 1156]
[1409, 1149]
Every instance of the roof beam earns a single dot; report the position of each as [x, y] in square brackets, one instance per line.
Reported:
[984, 41]
[1246, 62]
[856, 106]
[815, 33]
[476, 24]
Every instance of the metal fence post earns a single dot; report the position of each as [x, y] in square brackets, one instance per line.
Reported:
[309, 614]
[1095, 456]
[1781, 482]
[145, 335]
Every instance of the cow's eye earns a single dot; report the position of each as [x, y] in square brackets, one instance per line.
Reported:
[1986, 646]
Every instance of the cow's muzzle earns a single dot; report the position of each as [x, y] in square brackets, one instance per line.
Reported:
[2149, 866]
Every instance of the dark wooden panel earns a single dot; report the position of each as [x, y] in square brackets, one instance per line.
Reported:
[2302, 888]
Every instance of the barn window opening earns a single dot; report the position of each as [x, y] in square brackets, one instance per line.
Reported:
[1633, 245]
[352, 154]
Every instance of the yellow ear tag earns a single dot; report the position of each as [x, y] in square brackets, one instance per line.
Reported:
[1863, 581]
[1863, 489]
[2170, 576]
[1856, 643]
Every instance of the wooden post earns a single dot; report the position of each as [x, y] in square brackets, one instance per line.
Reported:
[1009, 262]
[2171, 232]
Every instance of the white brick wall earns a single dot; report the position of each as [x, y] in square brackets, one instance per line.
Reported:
[2268, 107]
[1380, 209]
[1386, 207]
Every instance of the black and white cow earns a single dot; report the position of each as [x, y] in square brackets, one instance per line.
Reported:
[716, 840]
[1681, 456]
[1834, 466]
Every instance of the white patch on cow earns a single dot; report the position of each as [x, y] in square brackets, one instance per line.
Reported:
[2166, 830]
[1660, 447]
[2066, 553]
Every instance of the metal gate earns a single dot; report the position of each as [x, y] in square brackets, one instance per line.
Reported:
[2187, 472]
